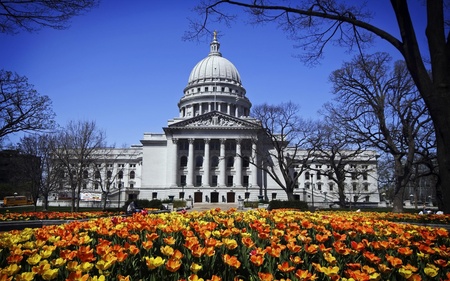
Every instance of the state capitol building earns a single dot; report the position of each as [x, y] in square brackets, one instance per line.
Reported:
[205, 153]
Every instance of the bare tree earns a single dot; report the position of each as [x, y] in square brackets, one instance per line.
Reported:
[21, 106]
[105, 176]
[74, 149]
[335, 149]
[382, 109]
[41, 171]
[31, 16]
[316, 23]
[284, 139]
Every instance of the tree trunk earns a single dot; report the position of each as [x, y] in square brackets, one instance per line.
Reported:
[398, 200]
[439, 105]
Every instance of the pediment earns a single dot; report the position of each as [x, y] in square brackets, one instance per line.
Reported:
[216, 120]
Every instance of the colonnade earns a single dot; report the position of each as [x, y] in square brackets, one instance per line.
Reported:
[238, 171]
[203, 107]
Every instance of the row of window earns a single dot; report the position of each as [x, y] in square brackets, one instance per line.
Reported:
[109, 174]
[212, 88]
[229, 183]
[214, 161]
[354, 175]
[331, 185]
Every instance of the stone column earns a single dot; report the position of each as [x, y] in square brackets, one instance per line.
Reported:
[254, 170]
[200, 108]
[190, 164]
[173, 160]
[238, 164]
[236, 111]
[206, 165]
[209, 106]
[222, 164]
[228, 108]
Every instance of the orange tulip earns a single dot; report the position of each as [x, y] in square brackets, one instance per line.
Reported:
[257, 260]
[405, 251]
[305, 275]
[169, 240]
[173, 265]
[285, 267]
[265, 276]
[232, 261]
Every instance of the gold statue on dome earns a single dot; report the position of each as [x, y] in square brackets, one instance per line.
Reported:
[215, 35]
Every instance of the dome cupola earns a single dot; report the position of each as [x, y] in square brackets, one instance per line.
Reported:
[214, 84]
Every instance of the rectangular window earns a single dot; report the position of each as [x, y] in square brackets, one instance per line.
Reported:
[230, 181]
[84, 186]
[214, 180]
[245, 181]
[367, 198]
[198, 180]
[354, 186]
[354, 176]
[154, 195]
[183, 180]
[96, 186]
[319, 186]
[307, 185]
[319, 176]
[331, 185]
[365, 176]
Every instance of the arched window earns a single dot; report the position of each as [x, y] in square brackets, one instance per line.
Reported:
[120, 175]
[132, 174]
[109, 174]
[307, 176]
[246, 162]
[214, 161]
[199, 161]
[97, 174]
[230, 161]
[183, 161]
[85, 174]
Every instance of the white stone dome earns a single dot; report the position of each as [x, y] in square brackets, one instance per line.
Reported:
[214, 68]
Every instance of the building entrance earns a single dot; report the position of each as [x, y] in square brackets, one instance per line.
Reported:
[214, 197]
[231, 197]
[198, 196]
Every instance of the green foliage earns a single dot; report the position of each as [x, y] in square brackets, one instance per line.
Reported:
[278, 204]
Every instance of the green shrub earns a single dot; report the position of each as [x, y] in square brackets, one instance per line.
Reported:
[278, 204]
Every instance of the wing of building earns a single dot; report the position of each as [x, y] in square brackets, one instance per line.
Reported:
[204, 153]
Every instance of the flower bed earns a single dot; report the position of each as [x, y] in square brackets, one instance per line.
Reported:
[219, 245]
[26, 216]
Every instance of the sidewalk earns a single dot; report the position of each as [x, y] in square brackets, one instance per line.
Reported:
[199, 207]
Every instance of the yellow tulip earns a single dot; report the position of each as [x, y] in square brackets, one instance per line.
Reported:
[58, 262]
[50, 274]
[153, 263]
[195, 267]
[86, 266]
[34, 259]
[11, 269]
[167, 250]
[431, 270]
[25, 276]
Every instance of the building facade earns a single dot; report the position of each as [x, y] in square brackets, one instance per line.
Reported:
[203, 154]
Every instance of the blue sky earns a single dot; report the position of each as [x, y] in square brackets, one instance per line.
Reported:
[125, 65]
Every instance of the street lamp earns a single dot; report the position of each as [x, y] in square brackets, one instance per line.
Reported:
[120, 185]
[312, 190]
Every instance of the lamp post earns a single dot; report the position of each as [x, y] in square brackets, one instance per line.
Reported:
[118, 203]
[312, 190]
